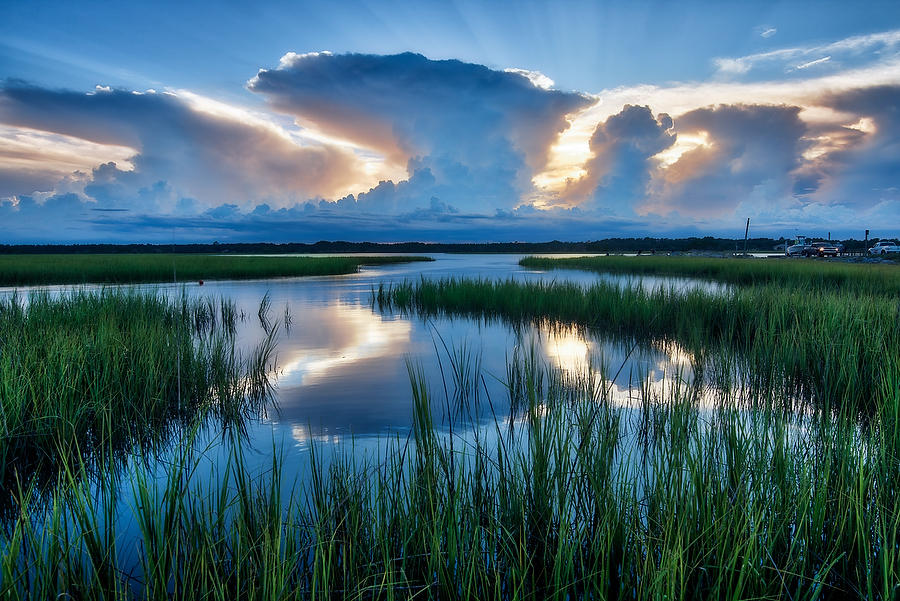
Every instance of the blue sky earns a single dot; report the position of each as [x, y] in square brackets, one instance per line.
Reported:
[465, 121]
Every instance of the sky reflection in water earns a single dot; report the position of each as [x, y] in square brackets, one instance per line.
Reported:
[342, 379]
[342, 366]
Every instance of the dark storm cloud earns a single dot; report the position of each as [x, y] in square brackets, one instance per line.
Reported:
[311, 222]
[60, 217]
[68, 219]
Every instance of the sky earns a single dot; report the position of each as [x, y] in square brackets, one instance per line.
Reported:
[447, 121]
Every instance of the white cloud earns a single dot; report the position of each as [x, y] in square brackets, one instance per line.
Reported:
[569, 153]
[183, 143]
[881, 46]
[535, 77]
[818, 61]
[743, 64]
[731, 66]
[290, 58]
[768, 32]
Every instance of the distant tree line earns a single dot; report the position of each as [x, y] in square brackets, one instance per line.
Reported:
[614, 245]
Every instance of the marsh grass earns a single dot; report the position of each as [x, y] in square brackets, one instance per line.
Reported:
[94, 374]
[563, 493]
[831, 347]
[803, 274]
[26, 270]
[570, 496]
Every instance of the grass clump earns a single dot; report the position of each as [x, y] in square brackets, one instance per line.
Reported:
[24, 270]
[90, 374]
[831, 347]
[569, 497]
[812, 275]
[565, 492]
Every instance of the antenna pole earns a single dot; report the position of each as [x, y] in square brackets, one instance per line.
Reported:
[746, 232]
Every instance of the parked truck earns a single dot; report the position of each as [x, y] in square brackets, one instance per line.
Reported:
[884, 247]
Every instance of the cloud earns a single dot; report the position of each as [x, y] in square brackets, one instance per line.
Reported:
[310, 222]
[622, 146]
[479, 133]
[768, 32]
[749, 153]
[818, 61]
[402, 147]
[861, 169]
[537, 78]
[703, 164]
[467, 136]
[436, 210]
[31, 150]
[199, 152]
[59, 217]
[876, 46]
[569, 155]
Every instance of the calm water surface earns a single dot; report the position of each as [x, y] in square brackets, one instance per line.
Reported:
[341, 377]
[342, 365]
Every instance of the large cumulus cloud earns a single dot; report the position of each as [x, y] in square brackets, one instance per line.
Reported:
[750, 153]
[623, 147]
[469, 144]
[731, 154]
[863, 170]
[474, 134]
[197, 152]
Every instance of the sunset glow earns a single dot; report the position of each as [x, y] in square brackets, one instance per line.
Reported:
[369, 135]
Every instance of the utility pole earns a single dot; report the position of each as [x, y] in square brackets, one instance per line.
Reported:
[866, 244]
[746, 232]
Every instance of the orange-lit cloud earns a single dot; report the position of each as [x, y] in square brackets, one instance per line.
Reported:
[205, 150]
[476, 135]
[382, 144]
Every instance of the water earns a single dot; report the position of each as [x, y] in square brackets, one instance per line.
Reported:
[341, 376]
[342, 365]
[343, 389]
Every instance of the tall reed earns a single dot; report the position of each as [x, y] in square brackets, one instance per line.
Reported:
[809, 274]
[563, 493]
[570, 496]
[85, 373]
[834, 347]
